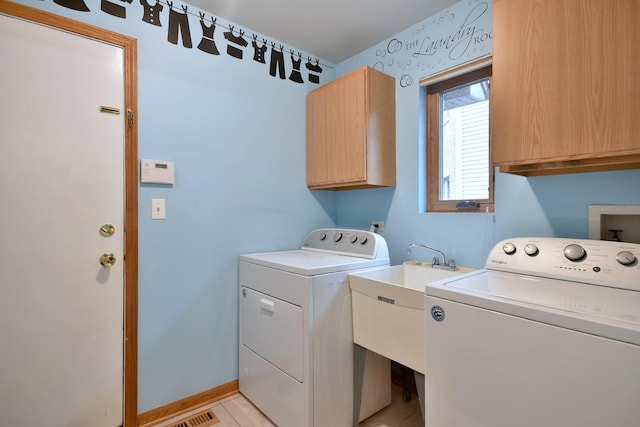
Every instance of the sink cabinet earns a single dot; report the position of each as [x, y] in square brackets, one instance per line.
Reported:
[351, 131]
[565, 90]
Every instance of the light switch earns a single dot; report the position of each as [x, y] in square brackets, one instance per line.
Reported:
[158, 209]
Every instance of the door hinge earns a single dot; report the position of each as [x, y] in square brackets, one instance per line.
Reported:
[130, 118]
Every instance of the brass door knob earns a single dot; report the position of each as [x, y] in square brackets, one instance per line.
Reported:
[107, 260]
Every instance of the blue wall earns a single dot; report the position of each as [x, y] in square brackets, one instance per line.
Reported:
[237, 136]
[238, 139]
[537, 206]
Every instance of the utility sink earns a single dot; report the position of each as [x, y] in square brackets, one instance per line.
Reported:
[388, 310]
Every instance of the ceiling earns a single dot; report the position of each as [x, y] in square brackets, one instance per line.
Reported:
[332, 30]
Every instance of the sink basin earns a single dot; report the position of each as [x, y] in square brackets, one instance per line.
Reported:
[402, 283]
[388, 310]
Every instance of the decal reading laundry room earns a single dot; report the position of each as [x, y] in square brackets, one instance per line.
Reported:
[179, 33]
[456, 35]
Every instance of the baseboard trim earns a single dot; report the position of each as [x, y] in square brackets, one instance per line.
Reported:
[187, 404]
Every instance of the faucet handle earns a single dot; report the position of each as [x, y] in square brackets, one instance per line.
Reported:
[452, 265]
[435, 261]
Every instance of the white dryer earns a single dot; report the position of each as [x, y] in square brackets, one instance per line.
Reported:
[296, 332]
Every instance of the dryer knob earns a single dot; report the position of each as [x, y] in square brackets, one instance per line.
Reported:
[323, 236]
[626, 258]
[353, 238]
[363, 240]
[337, 237]
[509, 248]
[531, 249]
[574, 252]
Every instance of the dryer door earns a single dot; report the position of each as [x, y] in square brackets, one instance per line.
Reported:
[272, 328]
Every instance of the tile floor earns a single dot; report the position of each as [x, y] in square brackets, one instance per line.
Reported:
[237, 411]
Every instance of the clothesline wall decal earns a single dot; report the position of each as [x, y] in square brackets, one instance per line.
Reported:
[237, 41]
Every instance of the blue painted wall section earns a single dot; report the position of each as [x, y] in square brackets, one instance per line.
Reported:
[237, 135]
[538, 206]
[235, 128]
[457, 35]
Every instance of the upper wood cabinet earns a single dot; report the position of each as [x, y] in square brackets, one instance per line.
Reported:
[565, 92]
[351, 132]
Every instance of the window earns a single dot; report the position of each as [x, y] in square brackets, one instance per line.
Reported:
[459, 163]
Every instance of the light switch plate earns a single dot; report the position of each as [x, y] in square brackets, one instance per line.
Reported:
[158, 209]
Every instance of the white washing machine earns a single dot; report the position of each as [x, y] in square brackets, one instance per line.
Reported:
[296, 331]
[548, 334]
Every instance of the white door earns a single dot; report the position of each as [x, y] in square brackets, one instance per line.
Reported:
[61, 179]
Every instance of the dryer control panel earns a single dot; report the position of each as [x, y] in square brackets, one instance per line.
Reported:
[597, 262]
[360, 243]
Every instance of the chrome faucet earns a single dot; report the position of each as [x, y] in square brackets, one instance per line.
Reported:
[435, 263]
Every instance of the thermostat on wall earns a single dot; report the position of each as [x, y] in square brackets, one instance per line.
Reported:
[156, 171]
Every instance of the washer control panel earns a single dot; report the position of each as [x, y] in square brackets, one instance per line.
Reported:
[598, 262]
[360, 243]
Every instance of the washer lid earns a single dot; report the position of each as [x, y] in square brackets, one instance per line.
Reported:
[598, 310]
[311, 263]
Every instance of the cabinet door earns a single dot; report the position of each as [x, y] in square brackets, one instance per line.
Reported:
[337, 132]
[566, 86]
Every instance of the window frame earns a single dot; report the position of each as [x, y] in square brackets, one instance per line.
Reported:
[434, 90]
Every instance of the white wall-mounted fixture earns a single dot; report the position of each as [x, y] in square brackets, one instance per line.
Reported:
[377, 226]
[156, 171]
[612, 222]
[158, 209]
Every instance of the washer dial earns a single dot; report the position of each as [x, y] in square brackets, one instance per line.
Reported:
[574, 252]
[626, 258]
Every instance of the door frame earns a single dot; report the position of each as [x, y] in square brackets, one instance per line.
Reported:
[130, 49]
